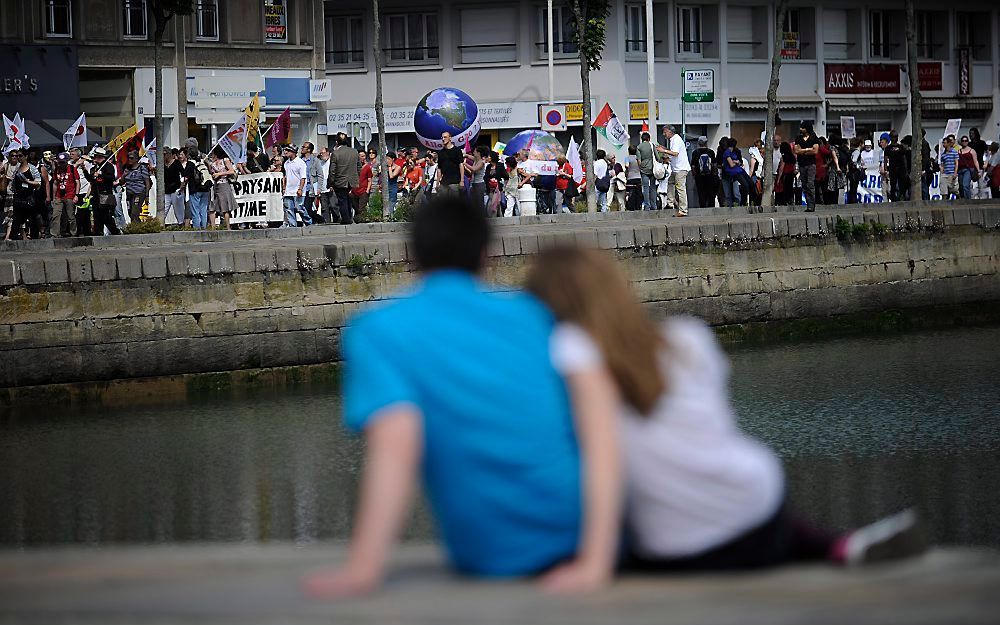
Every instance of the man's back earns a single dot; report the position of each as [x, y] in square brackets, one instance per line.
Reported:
[344, 168]
[500, 459]
[644, 151]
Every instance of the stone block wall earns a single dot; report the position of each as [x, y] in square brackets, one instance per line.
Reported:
[120, 309]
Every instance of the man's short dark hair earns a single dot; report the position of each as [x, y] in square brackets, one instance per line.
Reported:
[644, 136]
[450, 233]
[341, 138]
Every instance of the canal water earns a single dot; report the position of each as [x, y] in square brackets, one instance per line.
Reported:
[865, 426]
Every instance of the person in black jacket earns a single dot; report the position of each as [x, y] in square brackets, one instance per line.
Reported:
[102, 178]
[706, 176]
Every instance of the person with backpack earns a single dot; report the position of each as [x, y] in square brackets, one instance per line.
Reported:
[199, 189]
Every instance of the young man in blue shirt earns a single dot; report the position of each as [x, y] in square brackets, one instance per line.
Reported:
[454, 381]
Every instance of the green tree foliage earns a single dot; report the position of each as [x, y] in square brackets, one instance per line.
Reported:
[593, 15]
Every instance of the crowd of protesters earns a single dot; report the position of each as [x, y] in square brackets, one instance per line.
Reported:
[76, 194]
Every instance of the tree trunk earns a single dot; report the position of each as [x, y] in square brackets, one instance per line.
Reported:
[916, 102]
[158, 117]
[383, 169]
[586, 155]
[772, 107]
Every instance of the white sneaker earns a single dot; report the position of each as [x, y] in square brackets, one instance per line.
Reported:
[894, 537]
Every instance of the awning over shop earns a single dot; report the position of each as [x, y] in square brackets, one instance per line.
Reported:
[784, 103]
[862, 104]
[48, 133]
[945, 108]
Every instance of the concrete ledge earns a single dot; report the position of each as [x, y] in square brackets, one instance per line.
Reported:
[253, 585]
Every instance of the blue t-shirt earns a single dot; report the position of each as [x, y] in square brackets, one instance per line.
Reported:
[501, 464]
[732, 170]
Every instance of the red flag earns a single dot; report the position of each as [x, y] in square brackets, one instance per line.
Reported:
[281, 129]
[602, 118]
[645, 127]
[134, 144]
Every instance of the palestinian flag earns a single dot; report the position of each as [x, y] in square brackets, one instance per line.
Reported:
[608, 124]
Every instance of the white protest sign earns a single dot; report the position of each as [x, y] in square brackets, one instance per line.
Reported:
[848, 128]
[258, 198]
[952, 128]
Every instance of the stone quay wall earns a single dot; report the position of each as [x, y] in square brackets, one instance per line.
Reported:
[113, 308]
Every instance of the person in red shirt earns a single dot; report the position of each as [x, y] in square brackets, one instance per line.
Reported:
[360, 193]
[65, 182]
[564, 179]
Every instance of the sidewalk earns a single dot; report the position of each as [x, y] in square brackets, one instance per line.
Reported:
[249, 585]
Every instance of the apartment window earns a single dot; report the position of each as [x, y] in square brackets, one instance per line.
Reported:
[835, 39]
[58, 18]
[878, 29]
[635, 29]
[974, 33]
[931, 37]
[488, 35]
[563, 31]
[345, 40]
[689, 40]
[412, 38]
[134, 19]
[740, 25]
[207, 16]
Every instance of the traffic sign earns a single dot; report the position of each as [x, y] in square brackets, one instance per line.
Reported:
[698, 85]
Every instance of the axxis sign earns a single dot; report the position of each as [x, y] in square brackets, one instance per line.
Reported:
[858, 78]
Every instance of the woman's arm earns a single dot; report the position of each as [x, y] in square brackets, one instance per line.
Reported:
[595, 402]
[392, 459]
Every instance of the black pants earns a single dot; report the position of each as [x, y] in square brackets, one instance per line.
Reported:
[104, 215]
[707, 186]
[899, 187]
[26, 216]
[778, 540]
[344, 205]
[83, 227]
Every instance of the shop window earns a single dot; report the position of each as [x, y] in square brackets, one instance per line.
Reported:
[563, 30]
[345, 40]
[207, 16]
[931, 38]
[488, 35]
[412, 38]
[58, 18]
[134, 21]
[974, 33]
[748, 32]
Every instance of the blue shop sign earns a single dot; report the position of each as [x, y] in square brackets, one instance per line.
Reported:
[282, 92]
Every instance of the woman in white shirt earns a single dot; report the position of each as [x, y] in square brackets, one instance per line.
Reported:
[699, 493]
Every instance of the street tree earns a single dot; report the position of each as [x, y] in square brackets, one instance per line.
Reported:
[383, 171]
[916, 102]
[163, 11]
[772, 105]
[589, 18]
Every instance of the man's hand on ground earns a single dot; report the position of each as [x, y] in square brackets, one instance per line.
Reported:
[339, 583]
[576, 577]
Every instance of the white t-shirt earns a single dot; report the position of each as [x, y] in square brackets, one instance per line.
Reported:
[295, 172]
[600, 168]
[694, 481]
[679, 162]
[867, 160]
[755, 155]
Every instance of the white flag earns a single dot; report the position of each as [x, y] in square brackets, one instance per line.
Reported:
[76, 135]
[9, 128]
[573, 157]
[150, 152]
[22, 136]
[14, 129]
[234, 142]
[616, 132]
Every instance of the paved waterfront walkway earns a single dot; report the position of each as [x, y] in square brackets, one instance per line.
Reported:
[250, 585]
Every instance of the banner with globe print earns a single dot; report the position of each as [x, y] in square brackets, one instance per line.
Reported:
[446, 110]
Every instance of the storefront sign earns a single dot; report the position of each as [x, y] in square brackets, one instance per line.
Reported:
[698, 85]
[964, 72]
[42, 82]
[930, 76]
[275, 21]
[320, 90]
[668, 111]
[858, 78]
[638, 110]
[258, 198]
[790, 47]
[492, 115]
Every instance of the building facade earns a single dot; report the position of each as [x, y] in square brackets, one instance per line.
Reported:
[213, 62]
[843, 58]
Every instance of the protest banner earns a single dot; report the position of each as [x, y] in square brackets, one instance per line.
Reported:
[258, 198]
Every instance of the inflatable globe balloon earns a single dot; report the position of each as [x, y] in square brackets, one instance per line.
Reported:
[446, 110]
[541, 145]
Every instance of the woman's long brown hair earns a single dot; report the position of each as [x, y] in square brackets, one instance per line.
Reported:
[586, 287]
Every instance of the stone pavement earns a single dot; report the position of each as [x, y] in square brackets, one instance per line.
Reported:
[251, 585]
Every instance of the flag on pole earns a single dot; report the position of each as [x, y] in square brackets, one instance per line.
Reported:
[573, 157]
[132, 144]
[14, 128]
[76, 135]
[149, 151]
[116, 144]
[253, 117]
[610, 127]
[234, 142]
[281, 130]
